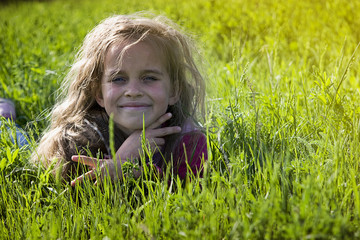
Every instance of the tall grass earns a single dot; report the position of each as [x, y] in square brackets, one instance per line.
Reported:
[282, 124]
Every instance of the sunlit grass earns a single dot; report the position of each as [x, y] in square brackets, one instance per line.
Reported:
[282, 123]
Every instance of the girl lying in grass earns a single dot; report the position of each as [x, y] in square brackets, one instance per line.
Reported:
[141, 72]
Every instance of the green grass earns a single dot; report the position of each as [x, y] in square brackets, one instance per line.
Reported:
[283, 120]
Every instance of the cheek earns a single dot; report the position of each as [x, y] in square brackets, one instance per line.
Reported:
[162, 95]
[109, 92]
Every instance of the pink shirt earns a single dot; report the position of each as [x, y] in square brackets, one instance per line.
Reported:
[192, 149]
[190, 153]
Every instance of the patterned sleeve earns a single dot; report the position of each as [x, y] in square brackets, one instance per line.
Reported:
[191, 152]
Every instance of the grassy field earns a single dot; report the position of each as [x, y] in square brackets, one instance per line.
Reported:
[283, 120]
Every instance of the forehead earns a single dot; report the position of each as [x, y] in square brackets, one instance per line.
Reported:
[121, 52]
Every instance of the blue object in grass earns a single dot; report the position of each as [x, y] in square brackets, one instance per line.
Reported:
[20, 135]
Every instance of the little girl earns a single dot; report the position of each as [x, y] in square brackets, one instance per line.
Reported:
[141, 72]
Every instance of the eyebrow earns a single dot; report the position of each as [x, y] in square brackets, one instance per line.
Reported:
[146, 71]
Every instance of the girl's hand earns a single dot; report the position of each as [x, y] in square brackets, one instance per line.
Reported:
[130, 149]
[105, 167]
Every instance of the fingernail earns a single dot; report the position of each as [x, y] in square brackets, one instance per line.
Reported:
[72, 183]
[169, 114]
[178, 129]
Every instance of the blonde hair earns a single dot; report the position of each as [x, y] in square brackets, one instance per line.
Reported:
[77, 101]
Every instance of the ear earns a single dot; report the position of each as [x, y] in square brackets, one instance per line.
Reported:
[174, 98]
[99, 98]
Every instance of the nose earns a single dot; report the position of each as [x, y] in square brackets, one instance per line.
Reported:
[133, 89]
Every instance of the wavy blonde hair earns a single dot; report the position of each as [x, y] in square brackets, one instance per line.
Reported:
[79, 88]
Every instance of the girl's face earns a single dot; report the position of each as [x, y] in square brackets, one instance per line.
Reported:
[139, 87]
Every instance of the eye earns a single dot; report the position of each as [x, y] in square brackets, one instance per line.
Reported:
[150, 78]
[118, 79]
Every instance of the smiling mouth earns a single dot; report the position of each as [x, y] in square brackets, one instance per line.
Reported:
[134, 106]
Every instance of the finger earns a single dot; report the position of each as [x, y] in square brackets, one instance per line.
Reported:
[96, 183]
[162, 132]
[160, 121]
[91, 175]
[157, 142]
[89, 161]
